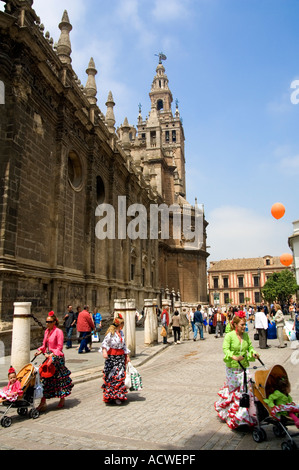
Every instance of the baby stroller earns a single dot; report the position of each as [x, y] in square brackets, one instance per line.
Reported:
[28, 377]
[264, 384]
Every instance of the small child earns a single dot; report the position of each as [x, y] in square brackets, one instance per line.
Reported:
[281, 402]
[13, 390]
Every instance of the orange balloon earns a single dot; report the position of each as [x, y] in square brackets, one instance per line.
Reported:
[286, 259]
[278, 210]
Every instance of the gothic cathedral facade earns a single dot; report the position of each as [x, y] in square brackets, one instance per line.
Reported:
[62, 157]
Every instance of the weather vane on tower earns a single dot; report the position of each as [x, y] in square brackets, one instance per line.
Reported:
[161, 57]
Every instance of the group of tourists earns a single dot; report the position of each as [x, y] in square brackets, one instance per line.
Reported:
[237, 348]
[84, 323]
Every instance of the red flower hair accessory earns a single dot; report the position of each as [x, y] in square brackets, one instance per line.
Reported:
[11, 370]
[241, 314]
[118, 320]
[51, 314]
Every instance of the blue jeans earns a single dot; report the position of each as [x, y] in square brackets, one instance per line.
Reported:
[69, 334]
[198, 326]
[85, 337]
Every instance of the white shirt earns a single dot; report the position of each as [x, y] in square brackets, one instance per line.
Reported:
[261, 320]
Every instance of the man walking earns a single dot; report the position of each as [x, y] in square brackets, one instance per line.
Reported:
[85, 326]
[198, 323]
[218, 322]
[69, 323]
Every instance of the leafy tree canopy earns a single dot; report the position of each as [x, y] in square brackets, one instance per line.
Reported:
[279, 287]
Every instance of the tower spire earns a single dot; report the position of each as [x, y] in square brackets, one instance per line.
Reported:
[110, 118]
[64, 48]
[91, 86]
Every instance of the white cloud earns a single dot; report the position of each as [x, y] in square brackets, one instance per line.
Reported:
[237, 232]
[171, 10]
[290, 165]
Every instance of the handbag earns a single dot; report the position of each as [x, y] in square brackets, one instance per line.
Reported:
[163, 332]
[256, 336]
[47, 368]
[245, 399]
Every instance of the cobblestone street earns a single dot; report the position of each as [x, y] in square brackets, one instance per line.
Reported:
[174, 411]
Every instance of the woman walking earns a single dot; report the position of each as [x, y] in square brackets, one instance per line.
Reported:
[279, 322]
[116, 355]
[58, 383]
[237, 348]
[175, 322]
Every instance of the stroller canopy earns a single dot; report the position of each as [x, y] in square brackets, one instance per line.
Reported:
[266, 381]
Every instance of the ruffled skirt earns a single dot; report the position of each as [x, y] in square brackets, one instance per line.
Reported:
[4, 396]
[114, 376]
[60, 385]
[283, 410]
[228, 406]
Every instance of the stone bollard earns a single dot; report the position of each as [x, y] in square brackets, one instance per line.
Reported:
[20, 348]
[131, 326]
[127, 309]
[150, 322]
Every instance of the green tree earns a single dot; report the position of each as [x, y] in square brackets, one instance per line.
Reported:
[279, 287]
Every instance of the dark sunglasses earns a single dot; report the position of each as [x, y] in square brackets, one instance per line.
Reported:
[49, 321]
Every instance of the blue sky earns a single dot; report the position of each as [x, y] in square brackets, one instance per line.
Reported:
[230, 63]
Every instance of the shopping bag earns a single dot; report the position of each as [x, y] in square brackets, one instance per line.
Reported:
[38, 389]
[163, 332]
[136, 381]
[95, 337]
[128, 382]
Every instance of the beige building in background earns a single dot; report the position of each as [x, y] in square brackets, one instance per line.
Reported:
[239, 281]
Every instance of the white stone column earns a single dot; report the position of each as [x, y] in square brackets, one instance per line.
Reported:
[130, 326]
[150, 322]
[127, 308]
[20, 347]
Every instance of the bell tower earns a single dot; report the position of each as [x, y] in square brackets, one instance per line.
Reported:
[159, 149]
[160, 95]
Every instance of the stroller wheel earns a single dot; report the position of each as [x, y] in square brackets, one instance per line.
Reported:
[288, 445]
[278, 430]
[22, 411]
[34, 413]
[259, 435]
[6, 422]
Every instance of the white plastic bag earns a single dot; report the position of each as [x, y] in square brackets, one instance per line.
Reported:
[95, 337]
[136, 381]
[38, 389]
[128, 382]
